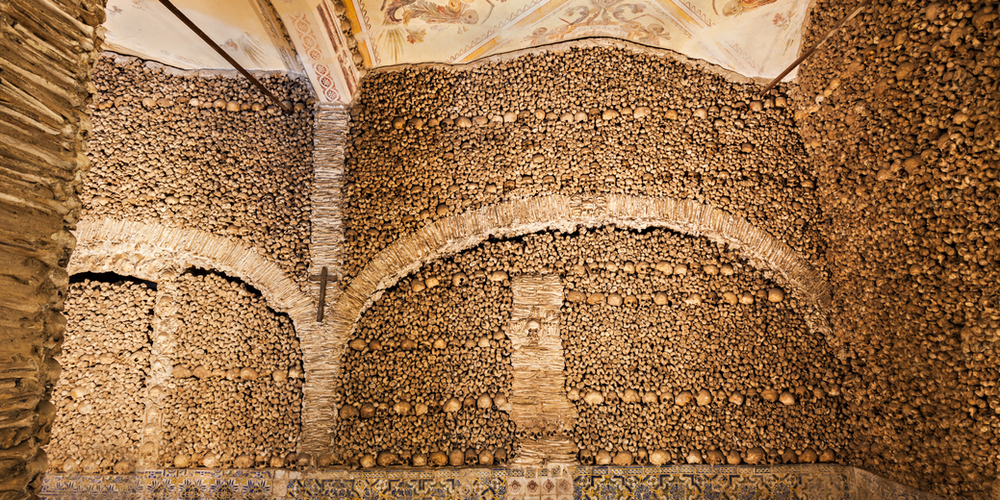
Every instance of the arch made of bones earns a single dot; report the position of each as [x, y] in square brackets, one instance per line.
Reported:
[155, 252]
[514, 218]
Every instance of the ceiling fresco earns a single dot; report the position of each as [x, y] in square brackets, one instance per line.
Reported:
[757, 38]
[249, 30]
[322, 47]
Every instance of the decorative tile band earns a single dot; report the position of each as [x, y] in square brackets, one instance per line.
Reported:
[693, 482]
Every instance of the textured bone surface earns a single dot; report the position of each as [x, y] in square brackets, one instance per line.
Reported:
[538, 390]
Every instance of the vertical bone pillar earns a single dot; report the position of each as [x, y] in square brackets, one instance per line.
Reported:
[321, 350]
[538, 398]
[161, 367]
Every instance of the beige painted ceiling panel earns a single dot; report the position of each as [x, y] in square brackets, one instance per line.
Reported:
[146, 29]
[757, 38]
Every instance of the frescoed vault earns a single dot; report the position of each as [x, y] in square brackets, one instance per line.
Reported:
[756, 38]
[246, 29]
[298, 36]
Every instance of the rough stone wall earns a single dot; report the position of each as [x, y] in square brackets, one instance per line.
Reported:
[204, 152]
[901, 114]
[49, 51]
[99, 398]
[663, 334]
[235, 395]
[432, 142]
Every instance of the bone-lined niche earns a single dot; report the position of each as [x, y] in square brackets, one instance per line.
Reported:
[99, 399]
[597, 346]
[193, 370]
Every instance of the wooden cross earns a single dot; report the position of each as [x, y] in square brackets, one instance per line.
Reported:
[323, 279]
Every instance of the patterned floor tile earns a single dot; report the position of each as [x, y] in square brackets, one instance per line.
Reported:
[579, 483]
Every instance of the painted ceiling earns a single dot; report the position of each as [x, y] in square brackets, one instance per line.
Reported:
[756, 38]
[251, 31]
[752, 37]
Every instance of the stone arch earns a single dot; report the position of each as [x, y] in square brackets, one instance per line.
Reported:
[561, 212]
[156, 252]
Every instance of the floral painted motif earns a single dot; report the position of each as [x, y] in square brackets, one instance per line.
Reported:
[246, 44]
[737, 7]
[630, 20]
[460, 13]
[782, 20]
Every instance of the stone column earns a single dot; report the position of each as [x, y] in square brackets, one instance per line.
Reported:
[538, 398]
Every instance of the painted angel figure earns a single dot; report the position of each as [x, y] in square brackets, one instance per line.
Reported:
[736, 7]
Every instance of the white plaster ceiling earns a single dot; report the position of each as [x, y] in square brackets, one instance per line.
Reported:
[756, 38]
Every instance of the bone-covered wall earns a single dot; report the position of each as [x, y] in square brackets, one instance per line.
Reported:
[652, 343]
[900, 118]
[428, 372]
[99, 398]
[676, 350]
[650, 321]
[902, 224]
[203, 151]
[235, 398]
[428, 143]
[232, 394]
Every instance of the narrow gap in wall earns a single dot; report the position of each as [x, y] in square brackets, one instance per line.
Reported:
[149, 333]
[497, 239]
[582, 231]
[110, 278]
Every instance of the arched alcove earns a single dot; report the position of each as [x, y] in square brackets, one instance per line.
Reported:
[156, 252]
[196, 369]
[106, 364]
[654, 330]
[234, 394]
[565, 213]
